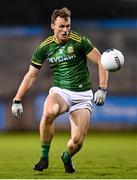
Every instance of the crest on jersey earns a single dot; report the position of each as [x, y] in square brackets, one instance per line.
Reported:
[61, 50]
[70, 49]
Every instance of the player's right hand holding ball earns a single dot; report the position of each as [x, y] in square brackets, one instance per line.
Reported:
[17, 109]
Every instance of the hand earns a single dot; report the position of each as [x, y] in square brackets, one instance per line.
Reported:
[17, 109]
[100, 96]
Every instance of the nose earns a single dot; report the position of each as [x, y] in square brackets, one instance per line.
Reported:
[65, 29]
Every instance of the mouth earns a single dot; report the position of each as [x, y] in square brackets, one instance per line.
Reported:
[64, 35]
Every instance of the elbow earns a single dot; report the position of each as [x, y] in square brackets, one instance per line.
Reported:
[31, 75]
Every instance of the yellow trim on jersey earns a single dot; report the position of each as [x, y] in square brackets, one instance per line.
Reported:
[47, 41]
[74, 34]
[56, 40]
[36, 63]
[75, 37]
[71, 37]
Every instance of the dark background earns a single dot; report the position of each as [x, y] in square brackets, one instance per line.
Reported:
[32, 12]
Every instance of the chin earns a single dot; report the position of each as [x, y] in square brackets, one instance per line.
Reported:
[64, 39]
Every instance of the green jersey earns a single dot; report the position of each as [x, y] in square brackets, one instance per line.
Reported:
[67, 60]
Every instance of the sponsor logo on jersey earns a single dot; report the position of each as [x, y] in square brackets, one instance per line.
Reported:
[61, 58]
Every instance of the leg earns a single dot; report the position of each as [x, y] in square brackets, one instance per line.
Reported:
[54, 106]
[79, 125]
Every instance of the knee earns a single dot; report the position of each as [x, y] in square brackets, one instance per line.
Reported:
[51, 112]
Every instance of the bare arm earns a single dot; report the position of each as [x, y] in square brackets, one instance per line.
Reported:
[27, 82]
[95, 57]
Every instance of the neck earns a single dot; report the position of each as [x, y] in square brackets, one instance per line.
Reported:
[57, 40]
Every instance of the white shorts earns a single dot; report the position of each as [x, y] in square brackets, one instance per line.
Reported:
[75, 100]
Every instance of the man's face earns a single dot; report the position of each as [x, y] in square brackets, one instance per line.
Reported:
[61, 28]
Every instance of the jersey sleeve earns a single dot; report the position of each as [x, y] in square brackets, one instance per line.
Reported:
[38, 58]
[86, 45]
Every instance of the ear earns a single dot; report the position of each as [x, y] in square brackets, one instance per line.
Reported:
[52, 26]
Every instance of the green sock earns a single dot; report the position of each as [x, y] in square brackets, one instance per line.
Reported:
[66, 156]
[45, 150]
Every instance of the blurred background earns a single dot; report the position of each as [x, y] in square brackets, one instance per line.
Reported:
[108, 23]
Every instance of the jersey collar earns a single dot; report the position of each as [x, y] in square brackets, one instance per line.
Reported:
[57, 41]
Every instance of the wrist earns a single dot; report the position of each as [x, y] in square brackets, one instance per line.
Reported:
[102, 88]
[16, 101]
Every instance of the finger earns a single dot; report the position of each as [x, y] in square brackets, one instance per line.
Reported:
[20, 112]
[15, 114]
[18, 117]
[98, 104]
[99, 101]
[95, 98]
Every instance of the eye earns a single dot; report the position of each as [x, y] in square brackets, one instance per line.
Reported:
[61, 26]
[68, 26]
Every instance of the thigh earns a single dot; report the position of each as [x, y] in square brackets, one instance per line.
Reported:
[54, 102]
[79, 122]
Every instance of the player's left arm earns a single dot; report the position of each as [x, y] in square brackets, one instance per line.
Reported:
[100, 94]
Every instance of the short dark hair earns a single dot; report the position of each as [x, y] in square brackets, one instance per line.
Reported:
[63, 13]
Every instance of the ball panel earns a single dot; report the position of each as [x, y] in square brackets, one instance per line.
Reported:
[112, 60]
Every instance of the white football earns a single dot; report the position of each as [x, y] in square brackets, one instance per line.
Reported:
[112, 60]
